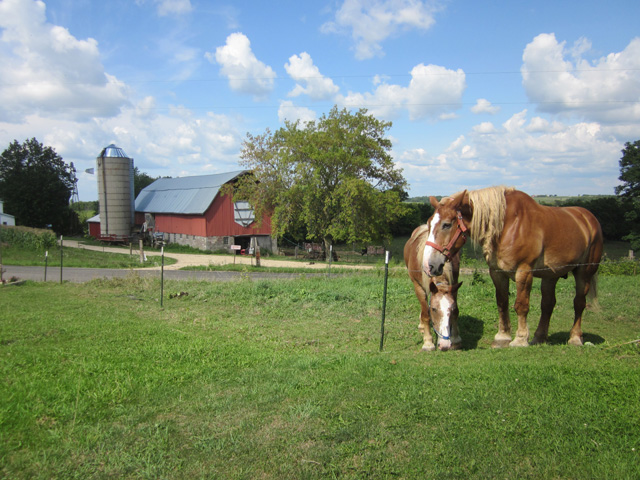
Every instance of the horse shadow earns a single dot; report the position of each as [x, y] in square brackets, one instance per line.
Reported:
[471, 330]
[562, 338]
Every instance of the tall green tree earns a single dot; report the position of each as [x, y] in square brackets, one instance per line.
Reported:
[629, 190]
[140, 181]
[36, 184]
[333, 178]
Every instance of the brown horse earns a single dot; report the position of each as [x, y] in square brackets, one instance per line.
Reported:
[520, 240]
[442, 310]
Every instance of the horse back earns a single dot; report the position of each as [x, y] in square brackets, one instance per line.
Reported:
[549, 236]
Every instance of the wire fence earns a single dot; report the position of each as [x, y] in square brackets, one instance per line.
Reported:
[621, 266]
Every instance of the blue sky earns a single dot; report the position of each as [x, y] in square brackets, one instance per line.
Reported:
[539, 95]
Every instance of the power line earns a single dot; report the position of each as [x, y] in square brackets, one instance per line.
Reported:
[336, 76]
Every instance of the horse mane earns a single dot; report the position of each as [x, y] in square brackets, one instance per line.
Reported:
[489, 206]
[418, 233]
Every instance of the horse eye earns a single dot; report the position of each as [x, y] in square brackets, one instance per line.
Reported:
[446, 226]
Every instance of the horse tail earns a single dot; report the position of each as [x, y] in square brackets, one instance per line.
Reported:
[593, 294]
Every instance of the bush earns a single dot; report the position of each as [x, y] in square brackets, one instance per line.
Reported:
[623, 266]
[32, 238]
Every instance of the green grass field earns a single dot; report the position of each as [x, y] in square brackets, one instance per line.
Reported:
[78, 257]
[284, 379]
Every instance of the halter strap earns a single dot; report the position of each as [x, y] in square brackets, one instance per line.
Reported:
[460, 230]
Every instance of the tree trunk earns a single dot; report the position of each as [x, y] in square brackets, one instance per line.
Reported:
[328, 241]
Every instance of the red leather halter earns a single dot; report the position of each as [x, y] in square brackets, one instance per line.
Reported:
[461, 230]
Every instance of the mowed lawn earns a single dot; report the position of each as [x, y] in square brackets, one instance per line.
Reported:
[284, 379]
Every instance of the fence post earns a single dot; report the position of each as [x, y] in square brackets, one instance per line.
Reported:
[46, 261]
[162, 276]
[330, 259]
[384, 297]
[61, 255]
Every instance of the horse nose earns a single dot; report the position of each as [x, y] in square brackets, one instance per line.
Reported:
[435, 269]
[444, 345]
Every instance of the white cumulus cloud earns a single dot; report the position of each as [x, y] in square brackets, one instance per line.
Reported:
[292, 113]
[560, 80]
[484, 106]
[371, 22]
[309, 80]
[45, 69]
[433, 92]
[246, 74]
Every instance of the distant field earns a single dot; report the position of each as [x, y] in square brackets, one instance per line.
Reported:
[553, 199]
[547, 199]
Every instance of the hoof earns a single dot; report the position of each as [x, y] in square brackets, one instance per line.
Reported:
[538, 341]
[428, 348]
[500, 344]
[577, 341]
[456, 346]
[519, 342]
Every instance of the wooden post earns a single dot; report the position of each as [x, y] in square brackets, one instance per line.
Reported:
[142, 251]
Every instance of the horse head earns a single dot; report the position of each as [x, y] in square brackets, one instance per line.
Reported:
[448, 232]
[443, 307]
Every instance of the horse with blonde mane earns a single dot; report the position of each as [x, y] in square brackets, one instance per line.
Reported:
[520, 240]
[441, 311]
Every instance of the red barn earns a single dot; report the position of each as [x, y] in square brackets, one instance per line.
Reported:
[191, 211]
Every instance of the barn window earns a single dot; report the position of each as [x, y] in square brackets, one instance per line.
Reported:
[243, 213]
[225, 240]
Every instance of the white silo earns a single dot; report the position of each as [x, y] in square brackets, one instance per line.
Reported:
[115, 193]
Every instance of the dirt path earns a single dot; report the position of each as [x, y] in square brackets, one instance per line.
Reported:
[192, 260]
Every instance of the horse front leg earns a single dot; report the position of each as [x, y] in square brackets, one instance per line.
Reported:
[501, 283]
[548, 290]
[524, 280]
[425, 319]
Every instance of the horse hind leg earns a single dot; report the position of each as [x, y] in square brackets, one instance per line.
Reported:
[548, 289]
[524, 280]
[583, 284]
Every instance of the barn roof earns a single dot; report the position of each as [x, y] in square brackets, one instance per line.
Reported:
[184, 195]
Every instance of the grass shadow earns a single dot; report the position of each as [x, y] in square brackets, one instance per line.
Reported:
[561, 338]
[471, 330]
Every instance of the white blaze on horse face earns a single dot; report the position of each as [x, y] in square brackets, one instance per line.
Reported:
[428, 250]
[446, 305]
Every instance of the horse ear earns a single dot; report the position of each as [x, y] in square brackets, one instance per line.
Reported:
[458, 200]
[434, 202]
[455, 287]
[433, 288]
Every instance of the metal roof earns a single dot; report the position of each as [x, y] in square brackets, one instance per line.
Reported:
[113, 151]
[184, 195]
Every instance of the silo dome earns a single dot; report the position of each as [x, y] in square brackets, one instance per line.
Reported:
[115, 192]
